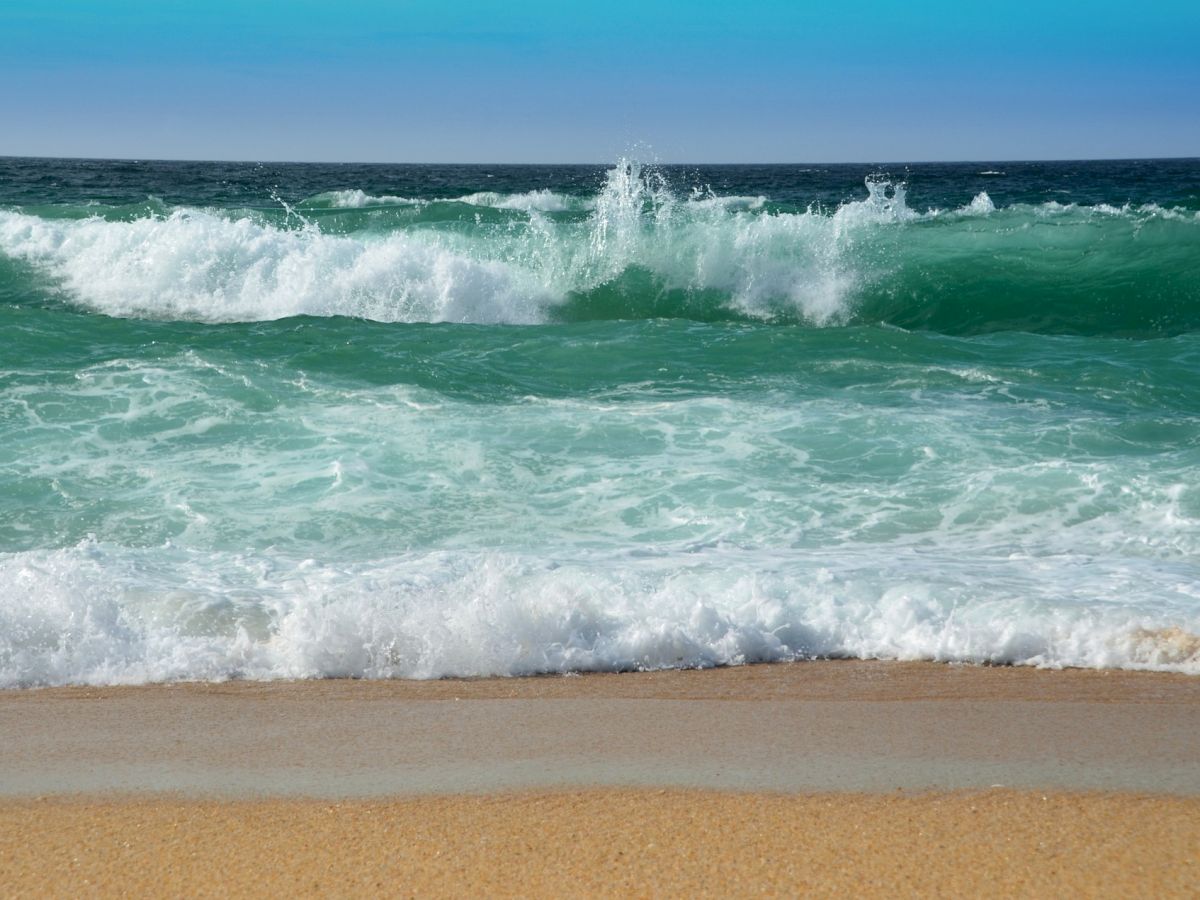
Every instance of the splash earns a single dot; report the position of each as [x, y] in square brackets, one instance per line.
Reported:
[981, 205]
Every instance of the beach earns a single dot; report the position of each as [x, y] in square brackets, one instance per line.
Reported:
[596, 450]
[599, 529]
[870, 776]
[615, 842]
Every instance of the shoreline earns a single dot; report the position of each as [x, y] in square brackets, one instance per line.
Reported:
[851, 725]
[820, 675]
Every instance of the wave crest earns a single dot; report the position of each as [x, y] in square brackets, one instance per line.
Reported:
[528, 201]
[641, 250]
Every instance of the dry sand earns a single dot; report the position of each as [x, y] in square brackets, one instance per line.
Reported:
[358, 787]
[610, 842]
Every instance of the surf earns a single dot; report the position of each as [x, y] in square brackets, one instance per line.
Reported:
[638, 249]
[406, 422]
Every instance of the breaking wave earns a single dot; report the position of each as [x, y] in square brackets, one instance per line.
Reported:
[528, 201]
[637, 250]
[98, 614]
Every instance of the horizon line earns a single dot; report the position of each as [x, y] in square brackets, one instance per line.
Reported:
[863, 162]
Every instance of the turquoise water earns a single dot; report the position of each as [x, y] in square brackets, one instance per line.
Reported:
[303, 421]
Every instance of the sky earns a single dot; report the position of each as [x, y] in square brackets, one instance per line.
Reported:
[539, 81]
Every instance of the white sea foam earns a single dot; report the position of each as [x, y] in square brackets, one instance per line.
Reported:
[200, 265]
[98, 614]
[229, 266]
[358, 199]
[564, 534]
[217, 267]
[730, 202]
[528, 201]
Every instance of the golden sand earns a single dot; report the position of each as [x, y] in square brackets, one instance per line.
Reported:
[778, 780]
[608, 843]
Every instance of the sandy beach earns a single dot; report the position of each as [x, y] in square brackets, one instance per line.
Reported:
[614, 842]
[864, 776]
[599, 450]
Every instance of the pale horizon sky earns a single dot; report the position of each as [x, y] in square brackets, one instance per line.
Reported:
[544, 82]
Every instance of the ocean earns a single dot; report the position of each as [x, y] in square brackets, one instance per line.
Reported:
[411, 421]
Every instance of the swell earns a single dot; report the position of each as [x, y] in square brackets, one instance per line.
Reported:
[634, 251]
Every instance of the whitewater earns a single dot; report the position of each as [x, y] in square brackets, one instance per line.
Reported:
[414, 422]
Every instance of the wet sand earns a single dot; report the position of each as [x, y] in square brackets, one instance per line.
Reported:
[851, 726]
[706, 782]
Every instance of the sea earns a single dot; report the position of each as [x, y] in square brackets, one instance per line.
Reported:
[292, 421]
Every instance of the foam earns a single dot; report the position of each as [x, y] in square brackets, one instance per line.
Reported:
[392, 531]
[736, 254]
[205, 265]
[528, 201]
[194, 264]
[98, 614]
[358, 199]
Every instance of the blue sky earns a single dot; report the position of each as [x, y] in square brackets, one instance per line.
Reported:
[535, 81]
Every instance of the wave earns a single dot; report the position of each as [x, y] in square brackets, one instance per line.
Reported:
[642, 251]
[357, 199]
[200, 265]
[99, 614]
[328, 509]
[527, 201]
